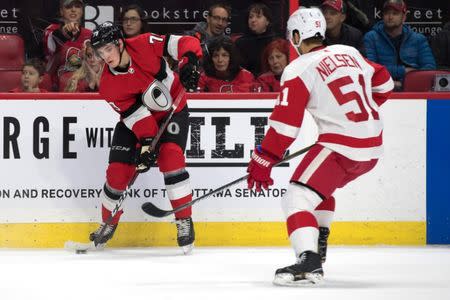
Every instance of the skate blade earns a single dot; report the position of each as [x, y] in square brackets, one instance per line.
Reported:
[286, 279]
[76, 246]
[187, 249]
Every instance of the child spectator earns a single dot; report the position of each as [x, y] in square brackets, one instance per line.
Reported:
[222, 72]
[64, 40]
[32, 74]
[275, 58]
[259, 34]
[133, 21]
[87, 77]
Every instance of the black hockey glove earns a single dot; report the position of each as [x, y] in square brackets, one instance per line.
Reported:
[189, 71]
[146, 158]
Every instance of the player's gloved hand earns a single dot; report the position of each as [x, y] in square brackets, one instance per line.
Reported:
[146, 158]
[259, 169]
[189, 71]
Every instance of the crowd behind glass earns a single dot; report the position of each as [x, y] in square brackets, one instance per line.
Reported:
[251, 61]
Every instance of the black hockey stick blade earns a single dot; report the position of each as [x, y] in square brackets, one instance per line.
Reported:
[154, 211]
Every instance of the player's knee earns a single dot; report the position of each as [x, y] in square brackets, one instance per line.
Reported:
[118, 175]
[170, 157]
[299, 198]
[327, 204]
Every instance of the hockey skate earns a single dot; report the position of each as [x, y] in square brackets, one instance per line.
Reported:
[186, 234]
[323, 242]
[307, 271]
[106, 234]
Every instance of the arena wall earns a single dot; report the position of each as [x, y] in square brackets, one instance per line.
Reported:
[54, 151]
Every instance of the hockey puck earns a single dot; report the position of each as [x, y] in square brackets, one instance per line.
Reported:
[81, 251]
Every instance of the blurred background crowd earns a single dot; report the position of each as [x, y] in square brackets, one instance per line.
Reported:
[244, 48]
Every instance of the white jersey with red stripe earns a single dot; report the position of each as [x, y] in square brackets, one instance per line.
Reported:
[342, 91]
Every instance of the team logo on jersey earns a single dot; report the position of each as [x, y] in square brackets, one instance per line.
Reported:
[95, 15]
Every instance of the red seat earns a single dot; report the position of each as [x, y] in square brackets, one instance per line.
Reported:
[12, 51]
[9, 80]
[421, 81]
[12, 56]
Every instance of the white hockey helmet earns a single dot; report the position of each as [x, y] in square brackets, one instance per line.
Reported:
[305, 23]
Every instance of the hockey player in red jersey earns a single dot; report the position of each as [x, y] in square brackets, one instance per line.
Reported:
[343, 92]
[138, 83]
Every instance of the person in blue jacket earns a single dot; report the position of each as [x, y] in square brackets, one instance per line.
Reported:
[396, 46]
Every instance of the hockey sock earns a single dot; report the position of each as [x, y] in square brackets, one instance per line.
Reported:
[179, 191]
[109, 201]
[303, 232]
[172, 164]
[324, 212]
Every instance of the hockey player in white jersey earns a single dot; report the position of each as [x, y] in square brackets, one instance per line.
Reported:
[343, 92]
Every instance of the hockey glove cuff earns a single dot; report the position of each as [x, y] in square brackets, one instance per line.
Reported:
[259, 169]
[146, 158]
[189, 71]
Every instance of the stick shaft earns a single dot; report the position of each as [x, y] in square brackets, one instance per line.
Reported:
[285, 159]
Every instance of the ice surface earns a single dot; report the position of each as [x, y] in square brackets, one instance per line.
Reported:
[361, 273]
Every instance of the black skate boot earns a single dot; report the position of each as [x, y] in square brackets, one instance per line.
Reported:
[323, 242]
[186, 234]
[106, 234]
[307, 271]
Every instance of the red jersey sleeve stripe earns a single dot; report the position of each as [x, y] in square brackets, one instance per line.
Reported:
[384, 87]
[284, 129]
[172, 46]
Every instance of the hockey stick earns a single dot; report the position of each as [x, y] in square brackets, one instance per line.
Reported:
[83, 247]
[154, 211]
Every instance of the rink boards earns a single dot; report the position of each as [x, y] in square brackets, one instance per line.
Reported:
[54, 153]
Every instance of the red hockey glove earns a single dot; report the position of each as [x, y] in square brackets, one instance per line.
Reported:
[259, 169]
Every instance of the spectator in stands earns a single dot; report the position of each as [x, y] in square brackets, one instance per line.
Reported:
[63, 40]
[216, 22]
[396, 46]
[133, 21]
[335, 13]
[359, 13]
[440, 43]
[259, 34]
[87, 77]
[222, 72]
[275, 58]
[32, 74]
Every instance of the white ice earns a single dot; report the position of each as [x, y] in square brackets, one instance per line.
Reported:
[361, 273]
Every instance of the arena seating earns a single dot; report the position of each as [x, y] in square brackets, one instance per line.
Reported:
[12, 56]
[421, 81]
